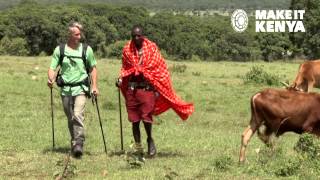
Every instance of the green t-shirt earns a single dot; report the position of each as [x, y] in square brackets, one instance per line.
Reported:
[73, 69]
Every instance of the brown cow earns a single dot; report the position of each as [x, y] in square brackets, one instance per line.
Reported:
[280, 111]
[308, 76]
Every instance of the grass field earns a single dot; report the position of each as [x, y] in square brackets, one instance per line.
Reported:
[206, 146]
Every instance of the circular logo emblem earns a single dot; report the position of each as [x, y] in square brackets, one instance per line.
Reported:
[239, 20]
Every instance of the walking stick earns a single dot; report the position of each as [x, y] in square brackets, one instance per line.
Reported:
[52, 122]
[120, 116]
[104, 142]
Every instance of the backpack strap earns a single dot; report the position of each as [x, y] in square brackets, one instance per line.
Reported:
[84, 59]
[86, 65]
[84, 56]
[61, 51]
[61, 48]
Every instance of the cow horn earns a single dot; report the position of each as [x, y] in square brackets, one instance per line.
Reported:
[285, 84]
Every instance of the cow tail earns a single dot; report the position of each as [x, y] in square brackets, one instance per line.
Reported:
[255, 121]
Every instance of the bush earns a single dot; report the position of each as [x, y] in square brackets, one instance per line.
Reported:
[223, 163]
[197, 73]
[267, 155]
[195, 58]
[307, 145]
[178, 68]
[43, 54]
[115, 50]
[15, 46]
[259, 76]
[288, 168]
[164, 54]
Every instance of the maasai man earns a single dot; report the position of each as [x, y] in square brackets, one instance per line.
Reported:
[145, 83]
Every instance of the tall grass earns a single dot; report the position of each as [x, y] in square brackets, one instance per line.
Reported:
[206, 146]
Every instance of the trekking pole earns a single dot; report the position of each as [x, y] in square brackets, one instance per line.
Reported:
[120, 116]
[104, 142]
[52, 122]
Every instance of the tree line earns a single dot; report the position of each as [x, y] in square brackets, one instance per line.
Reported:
[36, 29]
[173, 4]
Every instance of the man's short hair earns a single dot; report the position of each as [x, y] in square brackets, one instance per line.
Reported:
[75, 24]
[137, 26]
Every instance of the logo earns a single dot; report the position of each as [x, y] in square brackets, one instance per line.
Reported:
[239, 20]
[270, 20]
[280, 20]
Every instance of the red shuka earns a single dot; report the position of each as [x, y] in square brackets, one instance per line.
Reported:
[155, 71]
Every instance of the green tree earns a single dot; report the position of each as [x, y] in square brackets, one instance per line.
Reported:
[124, 18]
[15, 46]
[115, 50]
[274, 46]
[308, 42]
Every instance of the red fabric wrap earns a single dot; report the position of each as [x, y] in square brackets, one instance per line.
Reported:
[140, 105]
[155, 71]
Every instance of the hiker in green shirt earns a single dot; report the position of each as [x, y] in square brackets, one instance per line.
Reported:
[76, 61]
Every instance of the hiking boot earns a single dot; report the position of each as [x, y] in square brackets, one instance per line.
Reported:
[77, 150]
[138, 149]
[138, 152]
[151, 147]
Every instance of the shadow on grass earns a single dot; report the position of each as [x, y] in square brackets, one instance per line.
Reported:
[162, 154]
[63, 150]
[167, 154]
[116, 153]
